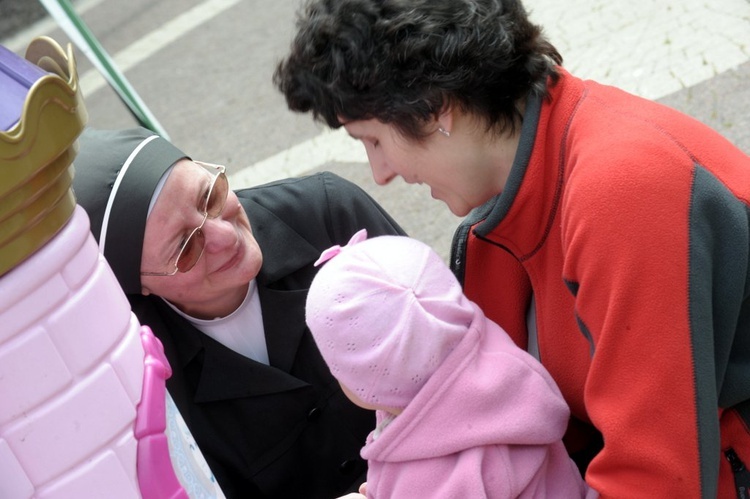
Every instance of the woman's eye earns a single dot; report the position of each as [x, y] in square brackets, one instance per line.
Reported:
[205, 201]
[180, 244]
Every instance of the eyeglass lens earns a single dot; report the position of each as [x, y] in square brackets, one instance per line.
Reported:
[217, 196]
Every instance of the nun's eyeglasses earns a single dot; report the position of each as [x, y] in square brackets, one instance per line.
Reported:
[211, 207]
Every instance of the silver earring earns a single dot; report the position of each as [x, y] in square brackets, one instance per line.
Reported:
[444, 131]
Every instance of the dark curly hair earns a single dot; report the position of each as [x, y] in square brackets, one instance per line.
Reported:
[403, 61]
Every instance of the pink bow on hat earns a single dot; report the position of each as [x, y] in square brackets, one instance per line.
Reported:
[358, 237]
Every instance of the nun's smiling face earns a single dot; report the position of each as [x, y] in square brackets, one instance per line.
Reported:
[216, 285]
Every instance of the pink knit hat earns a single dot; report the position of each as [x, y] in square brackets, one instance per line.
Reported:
[385, 312]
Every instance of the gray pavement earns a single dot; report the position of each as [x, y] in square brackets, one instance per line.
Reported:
[204, 69]
[18, 15]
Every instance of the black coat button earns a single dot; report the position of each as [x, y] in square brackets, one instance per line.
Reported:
[313, 414]
[347, 466]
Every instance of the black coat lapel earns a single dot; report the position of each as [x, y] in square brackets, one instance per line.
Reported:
[284, 250]
[283, 282]
[229, 375]
[284, 323]
[220, 372]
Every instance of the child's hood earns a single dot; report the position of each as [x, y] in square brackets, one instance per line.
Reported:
[488, 391]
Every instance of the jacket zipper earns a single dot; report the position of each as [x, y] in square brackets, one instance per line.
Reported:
[457, 251]
[741, 474]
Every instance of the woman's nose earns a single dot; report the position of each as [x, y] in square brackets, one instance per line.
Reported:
[382, 176]
[219, 233]
[381, 173]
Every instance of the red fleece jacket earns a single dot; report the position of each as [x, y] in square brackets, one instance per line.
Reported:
[628, 223]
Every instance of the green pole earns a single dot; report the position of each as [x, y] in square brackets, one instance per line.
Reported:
[62, 11]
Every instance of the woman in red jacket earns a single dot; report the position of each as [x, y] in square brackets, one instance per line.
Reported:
[609, 235]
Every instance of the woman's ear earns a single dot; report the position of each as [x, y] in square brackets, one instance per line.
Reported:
[445, 119]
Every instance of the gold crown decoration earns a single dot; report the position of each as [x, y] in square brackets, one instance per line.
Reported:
[37, 152]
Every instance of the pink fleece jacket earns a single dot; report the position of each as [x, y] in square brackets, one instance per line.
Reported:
[487, 424]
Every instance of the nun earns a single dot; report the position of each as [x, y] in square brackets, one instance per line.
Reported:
[221, 277]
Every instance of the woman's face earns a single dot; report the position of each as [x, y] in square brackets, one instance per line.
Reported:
[231, 258]
[459, 170]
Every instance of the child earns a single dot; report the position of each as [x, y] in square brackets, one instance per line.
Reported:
[461, 410]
